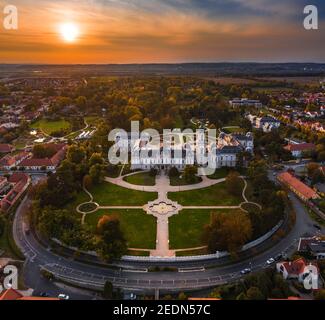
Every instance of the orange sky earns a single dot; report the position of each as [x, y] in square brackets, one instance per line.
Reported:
[133, 34]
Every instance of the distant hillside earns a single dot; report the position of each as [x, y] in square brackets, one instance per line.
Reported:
[207, 69]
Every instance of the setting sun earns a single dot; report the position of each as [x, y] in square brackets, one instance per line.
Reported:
[69, 32]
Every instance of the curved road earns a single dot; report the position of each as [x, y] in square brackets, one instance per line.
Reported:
[134, 277]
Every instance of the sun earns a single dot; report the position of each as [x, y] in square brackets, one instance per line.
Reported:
[69, 32]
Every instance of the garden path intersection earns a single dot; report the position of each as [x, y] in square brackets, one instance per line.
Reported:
[162, 208]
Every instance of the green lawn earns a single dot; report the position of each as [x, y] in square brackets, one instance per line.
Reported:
[141, 179]
[107, 194]
[233, 129]
[51, 126]
[186, 228]
[139, 228]
[220, 173]
[177, 181]
[216, 195]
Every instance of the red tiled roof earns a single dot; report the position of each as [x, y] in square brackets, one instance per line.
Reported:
[5, 148]
[296, 184]
[7, 161]
[36, 163]
[10, 294]
[18, 176]
[296, 267]
[300, 147]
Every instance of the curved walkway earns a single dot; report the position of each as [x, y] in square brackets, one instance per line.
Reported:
[163, 187]
[205, 183]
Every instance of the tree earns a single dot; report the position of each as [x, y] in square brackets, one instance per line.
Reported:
[108, 290]
[190, 174]
[234, 183]
[43, 151]
[320, 295]
[96, 158]
[228, 232]
[173, 172]
[97, 173]
[254, 293]
[112, 244]
[312, 168]
[76, 154]
[87, 181]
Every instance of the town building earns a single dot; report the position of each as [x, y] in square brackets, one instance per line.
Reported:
[315, 246]
[298, 149]
[297, 269]
[19, 183]
[237, 103]
[46, 164]
[9, 162]
[265, 123]
[304, 192]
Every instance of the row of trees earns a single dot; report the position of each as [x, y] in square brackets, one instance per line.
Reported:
[55, 218]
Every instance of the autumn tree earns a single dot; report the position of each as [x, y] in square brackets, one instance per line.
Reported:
[228, 232]
[112, 244]
[234, 183]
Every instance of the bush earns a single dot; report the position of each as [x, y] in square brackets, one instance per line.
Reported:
[173, 172]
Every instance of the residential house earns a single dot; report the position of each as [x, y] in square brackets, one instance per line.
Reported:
[314, 246]
[298, 149]
[297, 269]
[20, 182]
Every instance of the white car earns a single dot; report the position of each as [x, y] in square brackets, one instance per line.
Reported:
[62, 296]
[270, 261]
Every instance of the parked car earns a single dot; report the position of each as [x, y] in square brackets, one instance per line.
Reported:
[316, 226]
[44, 294]
[270, 261]
[62, 296]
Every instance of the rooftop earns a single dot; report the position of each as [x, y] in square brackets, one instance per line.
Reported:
[299, 186]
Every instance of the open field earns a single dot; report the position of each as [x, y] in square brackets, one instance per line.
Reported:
[139, 228]
[107, 194]
[141, 179]
[51, 126]
[178, 181]
[216, 195]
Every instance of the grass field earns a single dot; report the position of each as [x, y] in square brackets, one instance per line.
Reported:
[177, 181]
[233, 130]
[220, 173]
[139, 228]
[141, 179]
[107, 194]
[51, 126]
[216, 195]
[186, 229]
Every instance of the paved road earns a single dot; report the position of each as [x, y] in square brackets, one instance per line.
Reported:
[131, 279]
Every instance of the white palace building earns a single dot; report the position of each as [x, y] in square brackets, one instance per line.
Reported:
[182, 150]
